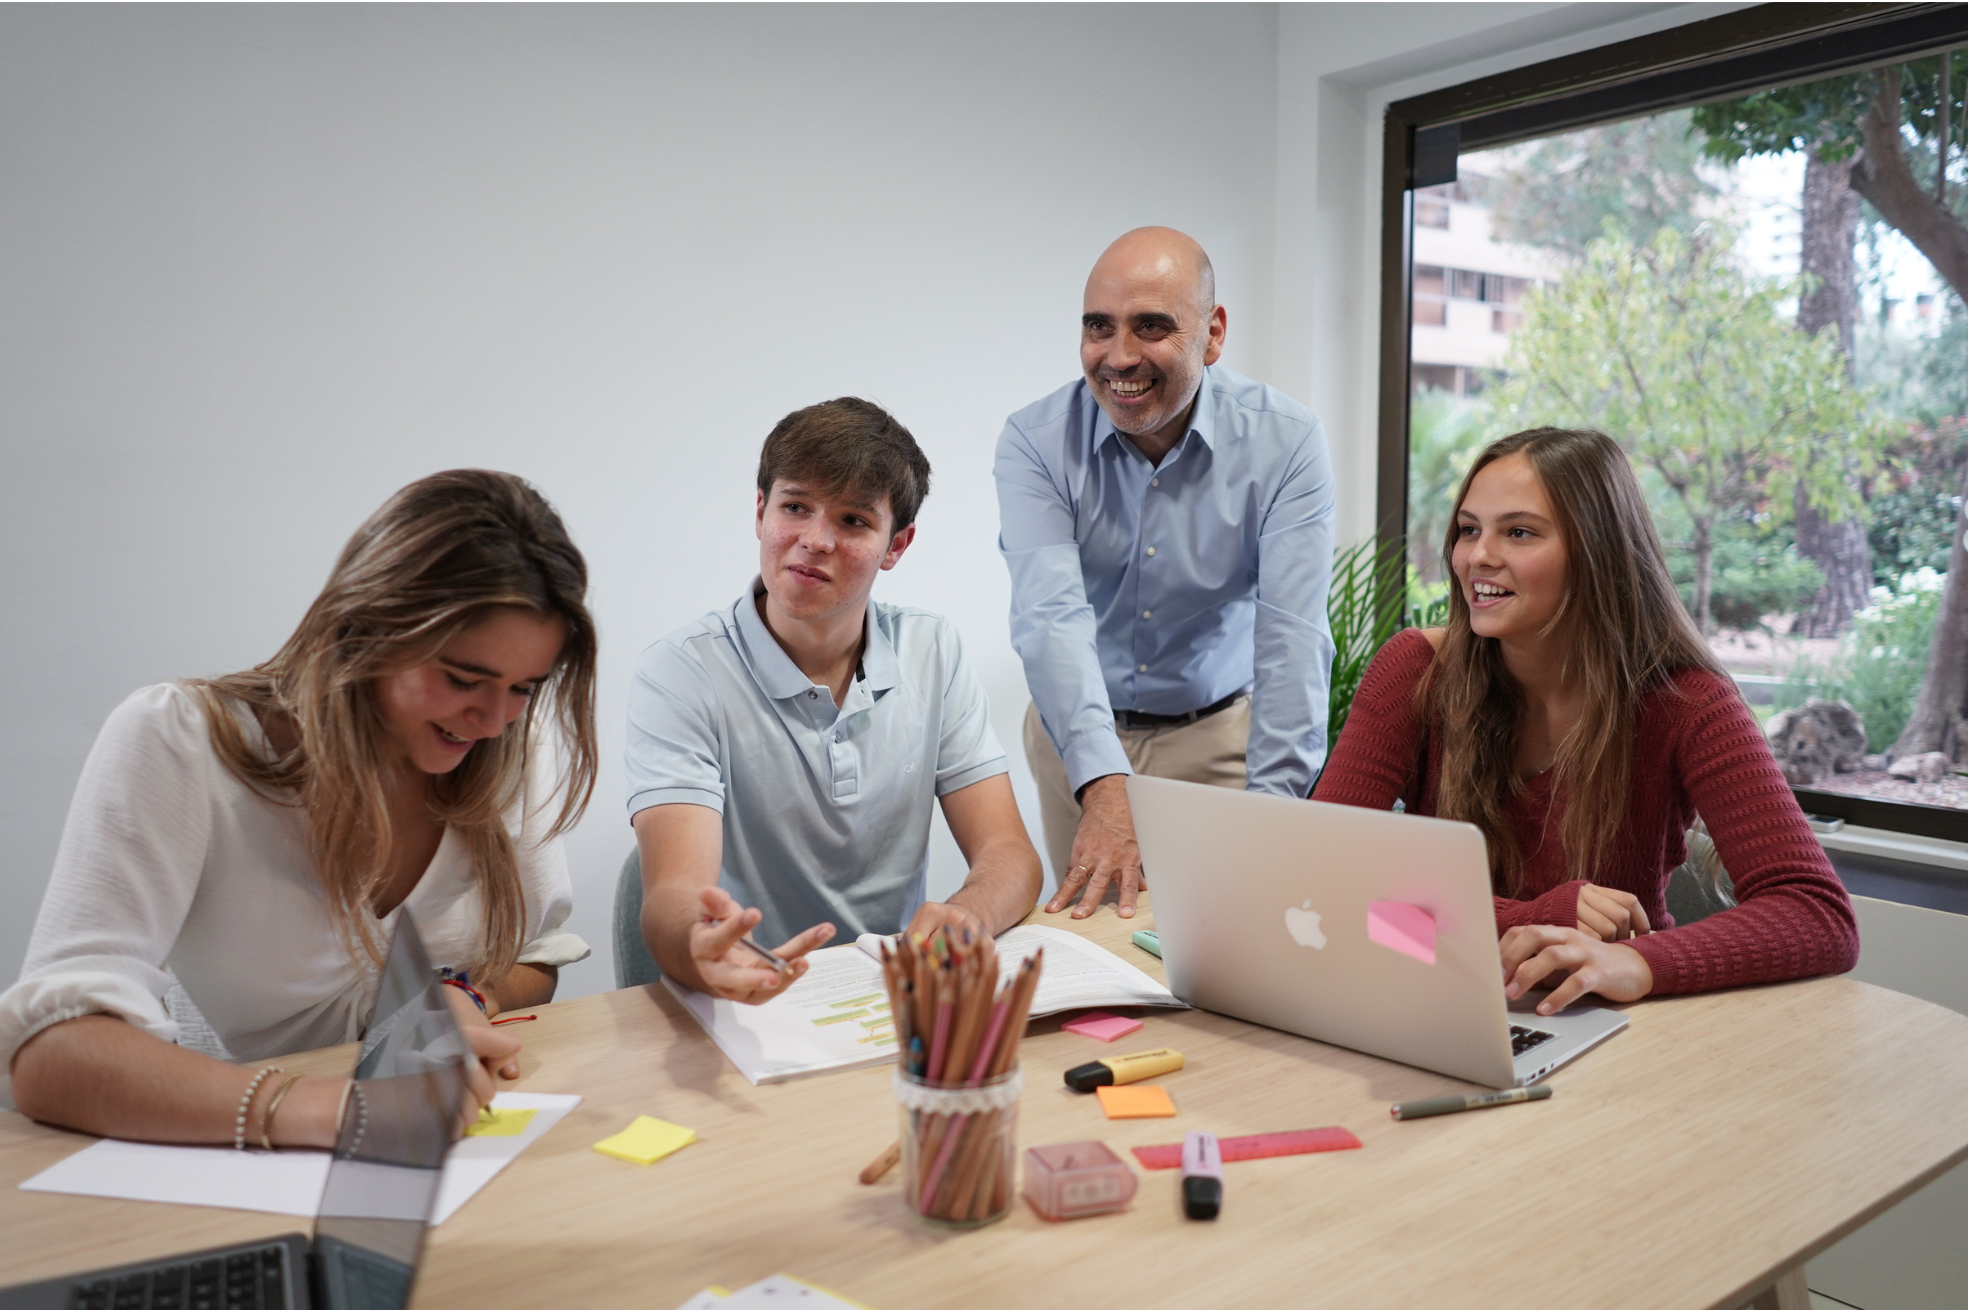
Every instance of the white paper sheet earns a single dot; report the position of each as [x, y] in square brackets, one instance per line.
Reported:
[289, 1183]
[835, 1017]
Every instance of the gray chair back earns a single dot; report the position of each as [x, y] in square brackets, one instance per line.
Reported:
[1700, 886]
[633, 964]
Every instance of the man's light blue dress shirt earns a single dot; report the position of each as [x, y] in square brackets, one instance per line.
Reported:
[826, 810]
[1164, 589]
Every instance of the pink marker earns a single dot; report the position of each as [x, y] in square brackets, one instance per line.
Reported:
[1202, 1176]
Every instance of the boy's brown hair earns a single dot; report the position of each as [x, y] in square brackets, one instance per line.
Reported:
[852, 447]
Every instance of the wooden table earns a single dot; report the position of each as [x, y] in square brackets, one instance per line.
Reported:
[1696, 1159]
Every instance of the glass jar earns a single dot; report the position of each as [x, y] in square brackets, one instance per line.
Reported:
[959, 1149]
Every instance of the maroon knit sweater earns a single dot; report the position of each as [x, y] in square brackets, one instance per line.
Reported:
[1695, 751]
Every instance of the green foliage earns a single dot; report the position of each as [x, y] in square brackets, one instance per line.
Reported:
[1637, 177]
[1366, 606]
[1826, 114]
[1911, 530]
[1878, 664]
[1444, 435]
[1696, 369]
[1755, 568]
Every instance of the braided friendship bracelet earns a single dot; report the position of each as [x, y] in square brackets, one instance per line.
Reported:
[246, 1105]
[473, 993]
[273, 1105]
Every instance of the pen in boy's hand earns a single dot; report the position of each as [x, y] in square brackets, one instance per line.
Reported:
[778, 962]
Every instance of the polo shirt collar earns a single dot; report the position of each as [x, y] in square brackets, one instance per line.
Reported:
[779, 678]
[1202, 419]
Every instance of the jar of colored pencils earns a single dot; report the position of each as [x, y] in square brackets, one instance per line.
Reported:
[959, 1147]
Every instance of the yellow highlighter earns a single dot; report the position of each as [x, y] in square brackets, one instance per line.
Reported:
[1124, 1070]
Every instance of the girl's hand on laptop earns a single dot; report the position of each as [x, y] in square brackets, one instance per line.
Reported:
[1544, 956]
[731, 970]
[1610, 914]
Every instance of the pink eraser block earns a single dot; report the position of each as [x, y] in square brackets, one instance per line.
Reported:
[1100, 1025]
[1408, 929]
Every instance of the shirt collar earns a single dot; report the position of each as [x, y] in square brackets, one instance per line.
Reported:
[1202, 418]
[779, 678]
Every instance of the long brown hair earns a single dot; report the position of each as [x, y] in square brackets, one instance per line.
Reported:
[1625, 633]
[438, 556]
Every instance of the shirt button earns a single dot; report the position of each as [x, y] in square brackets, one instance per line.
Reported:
[1151, 551]
[1147, 614]
[1142, 669]
[811, 695]
[1154, 482]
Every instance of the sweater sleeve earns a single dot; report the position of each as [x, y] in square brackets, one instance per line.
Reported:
[1555, 906]
[1793, 918]
[1374, 759]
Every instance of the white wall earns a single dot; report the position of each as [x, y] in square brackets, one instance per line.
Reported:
[259, 266]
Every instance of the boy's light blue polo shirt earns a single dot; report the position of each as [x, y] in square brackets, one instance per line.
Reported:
[826, 810]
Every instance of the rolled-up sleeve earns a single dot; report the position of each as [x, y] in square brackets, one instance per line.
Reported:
[126, 872]
[672, 753]
[1053, 628]
[1292, 637]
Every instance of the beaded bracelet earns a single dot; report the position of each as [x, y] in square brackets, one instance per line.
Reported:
[273, 1105]
[361, 1117]
[246, 1105]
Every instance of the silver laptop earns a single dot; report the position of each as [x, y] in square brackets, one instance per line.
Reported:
[1371, 930]
[381, 1190]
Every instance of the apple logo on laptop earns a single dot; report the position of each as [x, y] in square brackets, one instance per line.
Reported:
[1302, 922]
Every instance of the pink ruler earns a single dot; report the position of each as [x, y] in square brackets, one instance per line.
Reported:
[1167, 1156]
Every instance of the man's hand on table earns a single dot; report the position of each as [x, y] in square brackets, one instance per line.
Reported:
[953, 918]
[729, 969]
[1104, 851]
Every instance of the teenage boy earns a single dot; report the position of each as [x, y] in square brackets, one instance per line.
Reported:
[784, 753]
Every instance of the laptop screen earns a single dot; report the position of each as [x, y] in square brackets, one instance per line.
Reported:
[402, 1119]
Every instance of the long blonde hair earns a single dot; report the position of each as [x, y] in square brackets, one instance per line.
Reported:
[1625, 633]
[439, 556]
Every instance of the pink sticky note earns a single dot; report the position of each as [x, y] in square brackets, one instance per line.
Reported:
[1408, 929]
[1106, 1028]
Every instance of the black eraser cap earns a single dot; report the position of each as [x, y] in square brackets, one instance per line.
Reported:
[1089, 1077]
[1202, 1197]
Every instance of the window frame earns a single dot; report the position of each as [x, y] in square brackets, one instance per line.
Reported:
[1715, 59]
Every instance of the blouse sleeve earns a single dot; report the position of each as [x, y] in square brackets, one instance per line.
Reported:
[543, 870]
[1793, 917]
[131, 855]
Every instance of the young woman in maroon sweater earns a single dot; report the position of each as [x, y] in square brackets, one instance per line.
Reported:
[1570, 710]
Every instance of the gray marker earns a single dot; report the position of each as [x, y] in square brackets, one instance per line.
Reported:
[1466, 1102]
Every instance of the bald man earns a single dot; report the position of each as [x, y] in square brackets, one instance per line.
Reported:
[1168, 525]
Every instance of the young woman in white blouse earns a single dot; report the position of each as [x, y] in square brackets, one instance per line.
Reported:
[255, 836]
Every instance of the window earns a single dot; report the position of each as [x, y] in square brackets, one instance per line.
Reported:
[1671, 173]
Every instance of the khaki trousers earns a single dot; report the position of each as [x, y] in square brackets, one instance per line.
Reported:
[1210, 751]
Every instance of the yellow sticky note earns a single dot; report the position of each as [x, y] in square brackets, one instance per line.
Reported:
[1124, 1102]
[646, 1141]
[501, 1122]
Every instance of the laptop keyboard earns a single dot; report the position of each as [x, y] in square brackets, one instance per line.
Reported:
[1523, 1038]
[248, 1278]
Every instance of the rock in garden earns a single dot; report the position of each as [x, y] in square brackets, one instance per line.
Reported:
[1927, 768]
[1817, 739]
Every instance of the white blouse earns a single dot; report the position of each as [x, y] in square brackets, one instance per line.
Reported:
[170, 863]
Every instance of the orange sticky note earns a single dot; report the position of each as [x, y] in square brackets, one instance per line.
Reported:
[1124, 1102]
